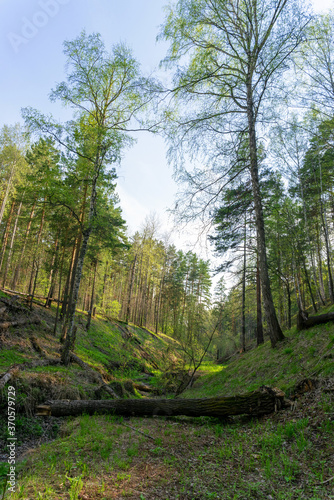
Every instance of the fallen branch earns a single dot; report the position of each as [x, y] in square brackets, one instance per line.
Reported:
[31, 364]
[13, 305]
[94, 375]
[20, 322]
[327, 481]
[143, 387]
[261, 402]
[6, 378]
[136, 430]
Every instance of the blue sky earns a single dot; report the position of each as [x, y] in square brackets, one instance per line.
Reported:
[31, 37]
[32, 33]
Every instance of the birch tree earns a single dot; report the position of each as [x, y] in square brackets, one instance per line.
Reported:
[105, 91]
[230, 55]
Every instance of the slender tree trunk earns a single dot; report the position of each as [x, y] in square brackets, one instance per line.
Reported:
[69, 343]
[330, 278]
[274, 328]
[18, 266]
[66, 350]
[131, 282]
[6, 234]
[67, 284]
[159, 299]
[9, 258]
[243, 307]
[259, 325]
[5, 198]
[289, 302]
[104, 285]
[92, 297]
[38, 252]
[60, 279]
[309, 286]
[314, 274]
[35, 283]
[52, 275]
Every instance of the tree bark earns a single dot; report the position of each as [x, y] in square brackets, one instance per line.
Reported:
[303, 321]
[6, 234]
[90, 312]
[243, 306]
[18, 266]
[9, 258]
[255, 403]
[274, 328]
[259, 325]
[132, 278]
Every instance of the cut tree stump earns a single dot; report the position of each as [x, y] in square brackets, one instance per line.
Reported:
[261, 402]
[305, 321]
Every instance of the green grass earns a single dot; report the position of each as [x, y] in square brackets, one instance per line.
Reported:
[284, 456]
[9, 357]
[303, 354]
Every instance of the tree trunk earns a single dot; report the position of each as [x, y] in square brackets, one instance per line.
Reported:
[52, 276]
[65, 357]
[254, 403]
[309, 286]
[259, 325]
[132, 277]
[243, 306]
[274, 328]
[6, 234]
[92, 298]
[5, 198]
[9, 258]
[303, 321]
[18, 266]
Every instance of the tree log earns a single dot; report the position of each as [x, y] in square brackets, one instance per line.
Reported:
[20, 322]
[6, 378]
[33, 364]
[303, 321]
[261, 402]
[143, 387]
[96, 377]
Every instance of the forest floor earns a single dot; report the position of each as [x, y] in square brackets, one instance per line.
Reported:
[287, 455]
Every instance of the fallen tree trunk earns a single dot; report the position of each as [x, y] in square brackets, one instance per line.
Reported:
[261, 402]
[20, 322]
[96, 377]
[6, 378]
[304, 321]
[33, 364]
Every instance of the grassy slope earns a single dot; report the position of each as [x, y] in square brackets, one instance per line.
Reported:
[103, 348]
[305, 354]
[289, 455]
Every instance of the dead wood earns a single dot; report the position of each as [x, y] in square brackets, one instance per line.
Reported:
[305, 321]
[14, 305]
[42, 352]
[6, 378]
[31, 364]
[265, 400]
[96, 377]
[143, 387]
[20, 322]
